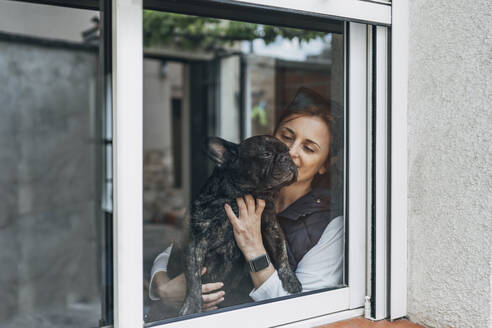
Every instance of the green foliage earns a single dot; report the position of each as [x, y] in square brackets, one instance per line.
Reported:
[259, 113]
[191, 32]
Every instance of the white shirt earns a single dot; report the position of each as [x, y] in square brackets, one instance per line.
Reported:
[321, 266]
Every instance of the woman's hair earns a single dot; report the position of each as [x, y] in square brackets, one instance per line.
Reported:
[309, 103]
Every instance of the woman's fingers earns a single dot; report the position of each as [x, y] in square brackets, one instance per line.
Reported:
[210, 309]
[241, 204]
[260, 206]
[213, 298]
[212, 305]
[210, 300]
[248, 207]
[210, 287]
[231, 215]
[250, 204]
[247, 228]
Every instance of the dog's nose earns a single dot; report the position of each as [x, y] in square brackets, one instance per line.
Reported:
[285, 158]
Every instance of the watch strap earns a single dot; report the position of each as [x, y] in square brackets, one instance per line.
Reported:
[259, 263]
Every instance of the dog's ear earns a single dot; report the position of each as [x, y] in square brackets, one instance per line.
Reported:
[220, 150]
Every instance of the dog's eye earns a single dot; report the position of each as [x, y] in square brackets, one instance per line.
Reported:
[266, 155]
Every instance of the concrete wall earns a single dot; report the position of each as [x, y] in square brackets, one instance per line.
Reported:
[450, 163]
[49, 253]
[44, 20]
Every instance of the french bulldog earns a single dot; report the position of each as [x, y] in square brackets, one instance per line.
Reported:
[259, 166]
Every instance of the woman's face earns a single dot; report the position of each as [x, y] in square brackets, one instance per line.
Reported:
[308, 139]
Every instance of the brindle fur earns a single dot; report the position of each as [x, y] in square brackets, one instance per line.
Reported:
[259, 166]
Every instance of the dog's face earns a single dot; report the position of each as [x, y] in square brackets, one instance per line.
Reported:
[260, 163]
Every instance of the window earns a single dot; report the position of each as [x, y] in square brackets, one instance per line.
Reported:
[234, 80]
[352, 296]
[144, 107]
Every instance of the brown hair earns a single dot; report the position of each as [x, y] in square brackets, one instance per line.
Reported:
[309, 103]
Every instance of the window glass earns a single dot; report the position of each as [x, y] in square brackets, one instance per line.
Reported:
[51, 221]
[203, 78]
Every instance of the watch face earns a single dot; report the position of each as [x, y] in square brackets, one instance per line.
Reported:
[260, 263]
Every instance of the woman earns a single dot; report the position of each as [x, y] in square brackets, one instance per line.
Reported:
[309, 213]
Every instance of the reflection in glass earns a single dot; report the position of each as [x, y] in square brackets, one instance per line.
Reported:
[50, 185]
[208, 77]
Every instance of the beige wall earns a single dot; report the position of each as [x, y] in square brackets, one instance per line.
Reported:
[230, 100]
[157, 106]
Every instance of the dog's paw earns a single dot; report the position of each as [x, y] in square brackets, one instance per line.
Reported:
[190, 306]
[289, 281]
[293, 286]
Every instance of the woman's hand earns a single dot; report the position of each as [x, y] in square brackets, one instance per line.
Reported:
[173, 291]
[210, 297]
[247, 228]
[247, 232]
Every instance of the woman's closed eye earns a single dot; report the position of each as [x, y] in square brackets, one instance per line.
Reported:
[309, 149]
[287, 137]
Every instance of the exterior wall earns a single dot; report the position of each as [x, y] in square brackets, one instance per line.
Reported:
[45, 20]
[157, 104]
[450, 170]
[49, 217]
[160, 85]
[230, 99]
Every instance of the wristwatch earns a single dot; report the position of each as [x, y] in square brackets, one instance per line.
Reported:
[259, 263]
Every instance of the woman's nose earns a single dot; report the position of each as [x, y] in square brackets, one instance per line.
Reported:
[294, 150]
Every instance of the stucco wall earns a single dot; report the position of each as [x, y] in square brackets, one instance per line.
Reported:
[450, 163]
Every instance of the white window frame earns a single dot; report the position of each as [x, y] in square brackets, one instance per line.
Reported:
[399, 155]
[127, 50]
[354, 10]
[300, 311]
[378, 211]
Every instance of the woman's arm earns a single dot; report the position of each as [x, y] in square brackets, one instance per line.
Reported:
[173, 291]
[170, 291]
[247, 232]
[158, 273]
[321, 266]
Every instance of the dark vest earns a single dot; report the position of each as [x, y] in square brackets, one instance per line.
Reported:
[305, 220]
